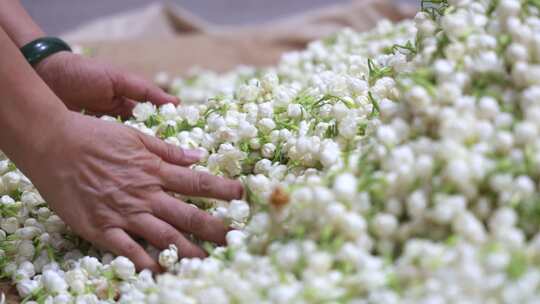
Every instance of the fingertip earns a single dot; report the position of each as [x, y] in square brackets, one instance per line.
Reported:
[238, 190]
[193, 251]
[166, 98]
[221, 236]
[174, 100]
[192, 156]
[153, 266]
[233, 189]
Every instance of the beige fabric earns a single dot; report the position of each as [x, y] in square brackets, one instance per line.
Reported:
[169, 38]
[155, 20]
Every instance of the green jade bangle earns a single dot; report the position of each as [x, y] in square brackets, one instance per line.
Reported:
[42, 48]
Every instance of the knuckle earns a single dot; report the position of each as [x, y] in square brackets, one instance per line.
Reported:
[156, 166]
[117, 79]
[132, 210]
[197, 221]
[104, 218]
[128, 248]
[91, 235]
[133, 219]
[179, 153]
[204, 183]
[173, 154]
[146, 93]
[238, 190]
[192, 251]
[157, 208]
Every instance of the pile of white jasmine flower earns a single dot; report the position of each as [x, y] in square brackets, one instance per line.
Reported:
[401, 165]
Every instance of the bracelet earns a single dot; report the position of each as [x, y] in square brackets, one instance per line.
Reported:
[42, 48]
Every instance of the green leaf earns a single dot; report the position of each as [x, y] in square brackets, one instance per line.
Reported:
[375, 109]
[376, 72]
[153, 120]
[517, 266]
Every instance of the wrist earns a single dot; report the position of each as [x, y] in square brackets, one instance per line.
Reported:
[31, 139]
[30, 112]
[54, 64]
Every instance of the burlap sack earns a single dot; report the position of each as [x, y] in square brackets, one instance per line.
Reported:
[168, 38]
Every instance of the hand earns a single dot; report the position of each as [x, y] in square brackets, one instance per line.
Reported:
[86, 84]
[108, 181]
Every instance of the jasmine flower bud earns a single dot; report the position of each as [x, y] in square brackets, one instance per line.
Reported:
[143, 111]
[269, 81]
[294, 110]
[238, 210]
[123, 267]
[168, 257]
[9, 225]
[26, 287]
[266, 124]
[345, 186]
[235, 238]
[268, 150]
[53, 282]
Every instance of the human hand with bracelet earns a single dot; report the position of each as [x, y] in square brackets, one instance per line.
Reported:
[81, 83]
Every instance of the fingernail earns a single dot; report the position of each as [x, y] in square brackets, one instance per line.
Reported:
[175, 100]
[240, 191]
[193, 155]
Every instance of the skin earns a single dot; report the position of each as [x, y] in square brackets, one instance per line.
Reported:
[108, 182]
[111, 92]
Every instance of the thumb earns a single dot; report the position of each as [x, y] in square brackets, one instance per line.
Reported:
[171, 153]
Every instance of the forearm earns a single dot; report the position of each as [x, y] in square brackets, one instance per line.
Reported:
[30, 113]
[16, 22]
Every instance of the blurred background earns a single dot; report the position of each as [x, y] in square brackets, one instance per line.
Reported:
[57, 16]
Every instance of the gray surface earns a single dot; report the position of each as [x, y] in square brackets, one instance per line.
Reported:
[56, 16]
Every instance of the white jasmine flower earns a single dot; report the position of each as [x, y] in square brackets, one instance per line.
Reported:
[268, 150]
[238, 210]
[270, 81]
[345, 186]
[294, 110]
[26, 287]
[189, 113]
[76, 279]
[266, 124]
[53, 282]
[11, 180]
[248, 93]
[168, 111]
[235, 238]
[168, 257]
[143, 111]
[25, 271]
[90, 264]
[123, 267]
[385, 224]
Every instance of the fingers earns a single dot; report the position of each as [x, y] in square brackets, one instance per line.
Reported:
[124, 108]
[134, 87]
[189, 219]
[194, 183]
[120, 243]
[161, 235]
[171, 153]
